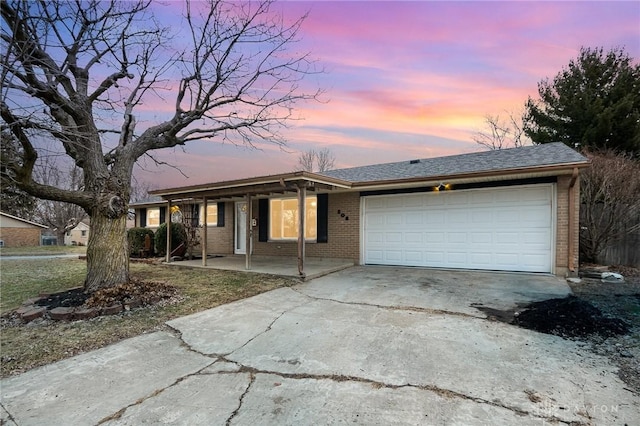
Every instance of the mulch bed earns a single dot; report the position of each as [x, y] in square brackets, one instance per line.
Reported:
[75, 304]
[568, 317]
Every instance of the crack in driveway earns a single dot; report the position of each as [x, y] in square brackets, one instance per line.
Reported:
[340, 378]
[252, 379]
[119, 413]
[10, 417]
[394, 307]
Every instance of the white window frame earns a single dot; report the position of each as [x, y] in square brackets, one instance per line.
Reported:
[280, 238]
[149, 210]
[203, 212]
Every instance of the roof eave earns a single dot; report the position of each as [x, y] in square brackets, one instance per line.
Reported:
[260, 180]
[559, 169]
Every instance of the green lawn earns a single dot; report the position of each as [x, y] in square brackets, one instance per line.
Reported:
[23, 347]
[41, 250]
[23, 279]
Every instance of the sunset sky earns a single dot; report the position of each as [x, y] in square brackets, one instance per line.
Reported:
[413, 79]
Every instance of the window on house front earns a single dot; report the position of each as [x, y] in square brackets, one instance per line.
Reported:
[83, 233]
[153, 217]
[283, 220]
[212, 214]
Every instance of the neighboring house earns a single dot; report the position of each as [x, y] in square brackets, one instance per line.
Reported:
[18, 232]
[78, 236]
[506, 210]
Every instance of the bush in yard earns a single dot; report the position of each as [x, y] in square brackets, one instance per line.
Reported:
[178, 236]
[135, 238]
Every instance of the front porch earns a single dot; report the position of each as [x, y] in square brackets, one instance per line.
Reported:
[314, 267]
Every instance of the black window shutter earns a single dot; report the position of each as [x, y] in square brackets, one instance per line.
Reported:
[221, 214]
[323, 218]
[195, 215]
[143, 217]
[163, 215]
[263, 219]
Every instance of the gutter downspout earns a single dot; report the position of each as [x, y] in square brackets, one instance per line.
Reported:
[572, 208]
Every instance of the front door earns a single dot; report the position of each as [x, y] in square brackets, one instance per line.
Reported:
[241, 228]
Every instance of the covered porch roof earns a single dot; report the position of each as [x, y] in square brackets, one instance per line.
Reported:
[256, 186]
[298, 182]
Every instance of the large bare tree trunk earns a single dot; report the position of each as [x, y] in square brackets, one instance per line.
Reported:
[107, 253]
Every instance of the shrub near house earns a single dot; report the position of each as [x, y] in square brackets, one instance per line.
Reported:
[137, 239]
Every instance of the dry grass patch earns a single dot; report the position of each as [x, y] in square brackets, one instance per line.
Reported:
[25, 346]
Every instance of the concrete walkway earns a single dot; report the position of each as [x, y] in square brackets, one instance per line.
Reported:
[314, 267]
[364, 345]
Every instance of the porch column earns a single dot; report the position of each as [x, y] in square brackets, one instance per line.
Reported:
[302, 192]
[204, 231]
[167, 219]
[248, 234]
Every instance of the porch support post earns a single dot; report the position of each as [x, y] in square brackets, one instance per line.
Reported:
[167, 218]
[302, 192]
[248, 234]
[204, 231]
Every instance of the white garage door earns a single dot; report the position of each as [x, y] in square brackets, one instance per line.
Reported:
[507, 229]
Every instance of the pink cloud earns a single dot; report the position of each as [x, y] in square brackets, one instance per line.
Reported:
[415, 79]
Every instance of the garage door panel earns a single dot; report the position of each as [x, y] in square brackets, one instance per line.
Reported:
[413, 201]
[456, 198]
[413, 238]
[413, 256]
[457, 258]
[506, 260]
[481, 238]
[482, 216]
[457, 237]
[393, 255]
[457, 217]
[533, 261]
[434, 217]
[413, 218]
[375, 237]
[480, 260]
[502, 228]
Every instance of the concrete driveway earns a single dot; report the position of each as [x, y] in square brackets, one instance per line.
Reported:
[367, 345]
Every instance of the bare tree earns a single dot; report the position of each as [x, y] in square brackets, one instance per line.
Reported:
[316, 161]
[13, 200]
[501, 133]
[306, 160]
[61, 217]
[79, 72]
[140, 190]
[610, 206]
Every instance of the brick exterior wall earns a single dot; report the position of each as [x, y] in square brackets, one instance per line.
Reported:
[20, 237]
[343, 235]
[220, 239]
[562, 225]
[343, 241]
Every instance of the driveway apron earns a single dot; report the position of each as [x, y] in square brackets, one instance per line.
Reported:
[367, 345]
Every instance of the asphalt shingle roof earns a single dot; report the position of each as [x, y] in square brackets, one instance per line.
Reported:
[514, 158]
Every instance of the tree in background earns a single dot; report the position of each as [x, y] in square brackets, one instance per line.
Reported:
[594, 103]
[610, 209]
[316, 161]
[81, 73]
[501, 133]
[59, 216]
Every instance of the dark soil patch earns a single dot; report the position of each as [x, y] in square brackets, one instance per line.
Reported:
[65, 299]
[142, 292]
[569, 317]
[108, 301]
